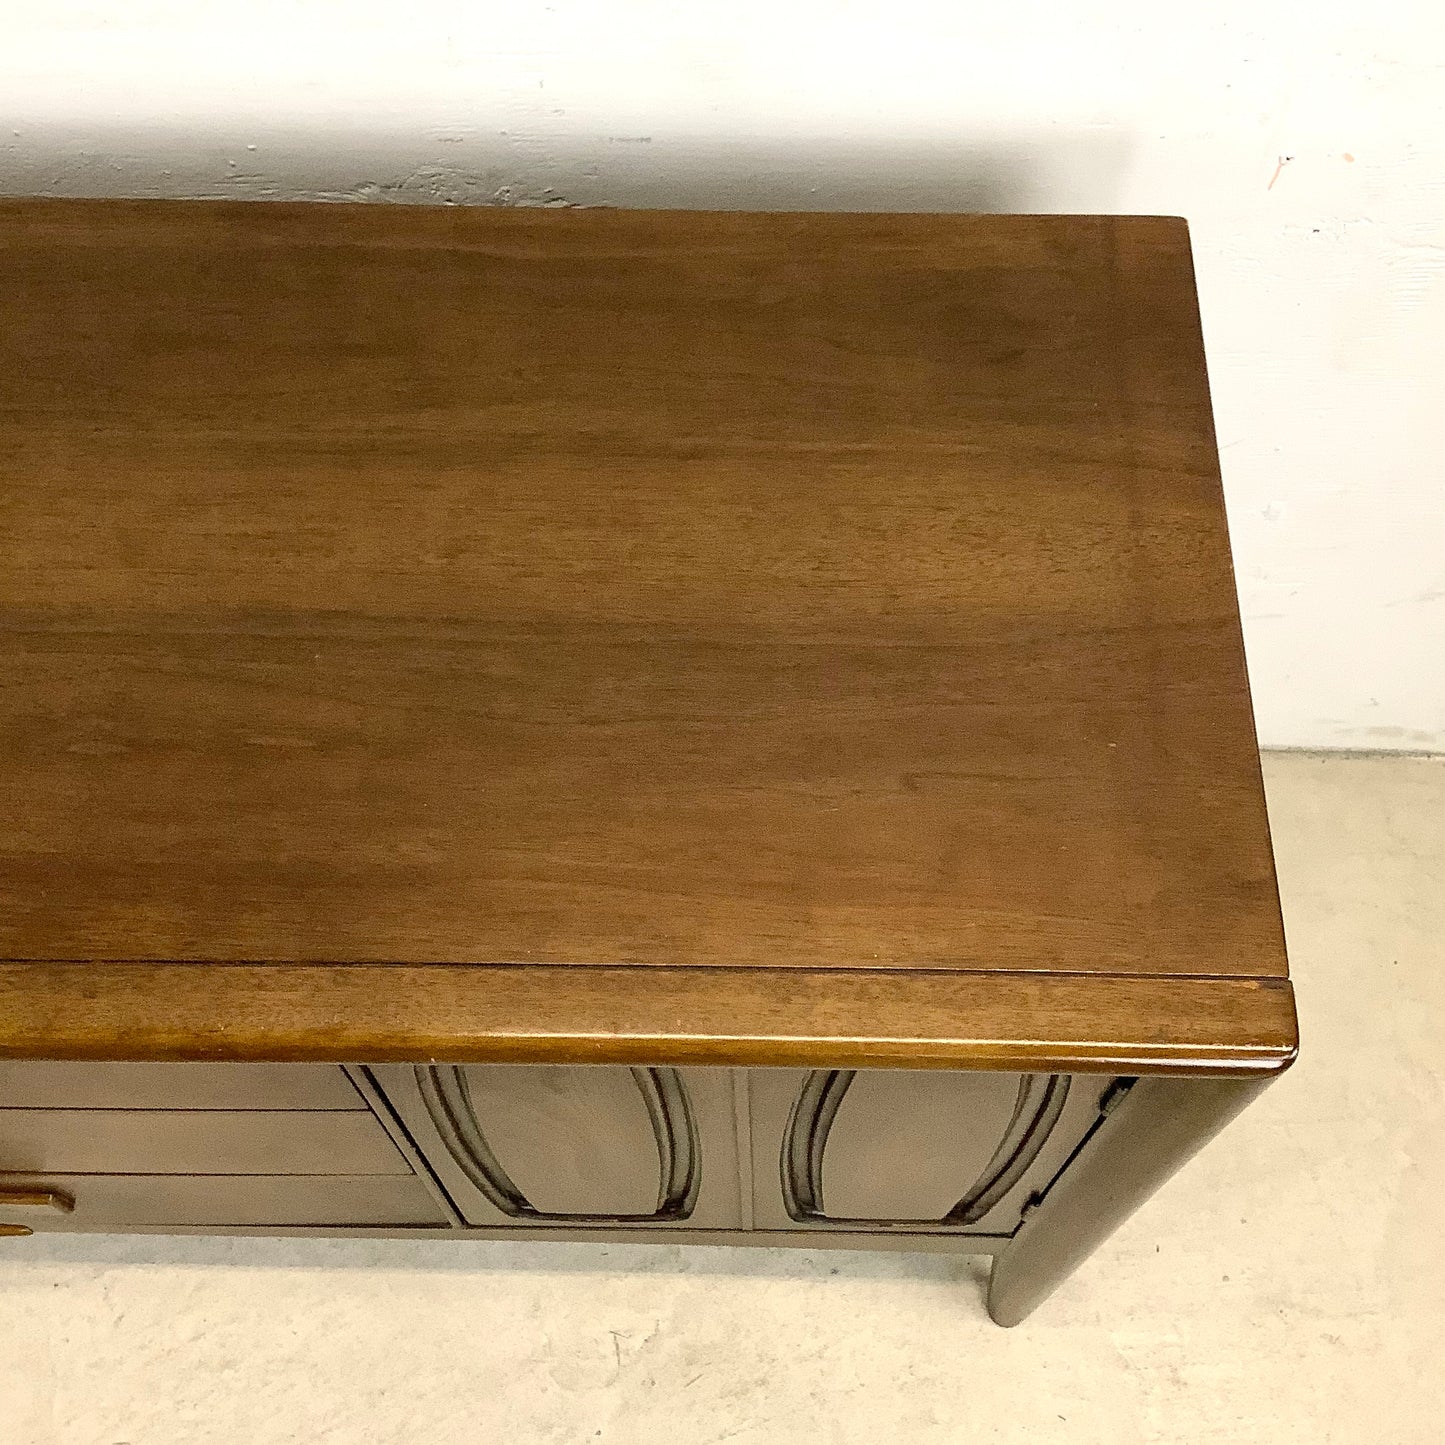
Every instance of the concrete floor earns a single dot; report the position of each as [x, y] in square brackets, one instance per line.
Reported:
[1288, 1286]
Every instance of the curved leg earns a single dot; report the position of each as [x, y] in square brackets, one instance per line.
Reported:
[1155, 1128]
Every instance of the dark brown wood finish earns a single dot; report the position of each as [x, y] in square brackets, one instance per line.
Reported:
[1158, 1126]
[815, 632]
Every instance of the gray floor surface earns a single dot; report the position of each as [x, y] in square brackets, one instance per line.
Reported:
[1288, 1286]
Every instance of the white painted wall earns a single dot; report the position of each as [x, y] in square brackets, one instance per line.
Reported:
[1305, 143]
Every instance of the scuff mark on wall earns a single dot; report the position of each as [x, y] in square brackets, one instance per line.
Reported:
[453, 186]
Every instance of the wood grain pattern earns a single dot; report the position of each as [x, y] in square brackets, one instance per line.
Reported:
[834, 1018]
[674, 590]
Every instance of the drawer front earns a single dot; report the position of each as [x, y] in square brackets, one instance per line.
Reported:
[28, 1085]
[909, 1149]
[139, 1141]
[118, 1201]
[575, 1145]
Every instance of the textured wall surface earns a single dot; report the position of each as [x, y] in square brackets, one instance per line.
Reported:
[1306, 146]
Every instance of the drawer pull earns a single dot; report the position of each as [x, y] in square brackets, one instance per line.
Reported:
[36, 1199]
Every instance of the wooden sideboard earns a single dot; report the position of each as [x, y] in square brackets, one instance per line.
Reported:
[923, 1156]
[618, 724]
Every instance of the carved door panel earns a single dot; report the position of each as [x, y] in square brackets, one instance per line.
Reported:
[575, 1144]
[910, 1149]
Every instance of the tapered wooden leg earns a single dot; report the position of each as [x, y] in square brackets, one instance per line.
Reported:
[1153, 1130]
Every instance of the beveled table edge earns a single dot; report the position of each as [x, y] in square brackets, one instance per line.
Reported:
[548, 1013]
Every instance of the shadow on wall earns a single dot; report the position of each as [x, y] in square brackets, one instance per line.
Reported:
[1054, 170]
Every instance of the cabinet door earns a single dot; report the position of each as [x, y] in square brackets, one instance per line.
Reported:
[907, 1149]
[574, 1144]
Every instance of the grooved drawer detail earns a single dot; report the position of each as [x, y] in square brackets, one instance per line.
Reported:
[42, 1085]
[104, 1201]
[122, 1141]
